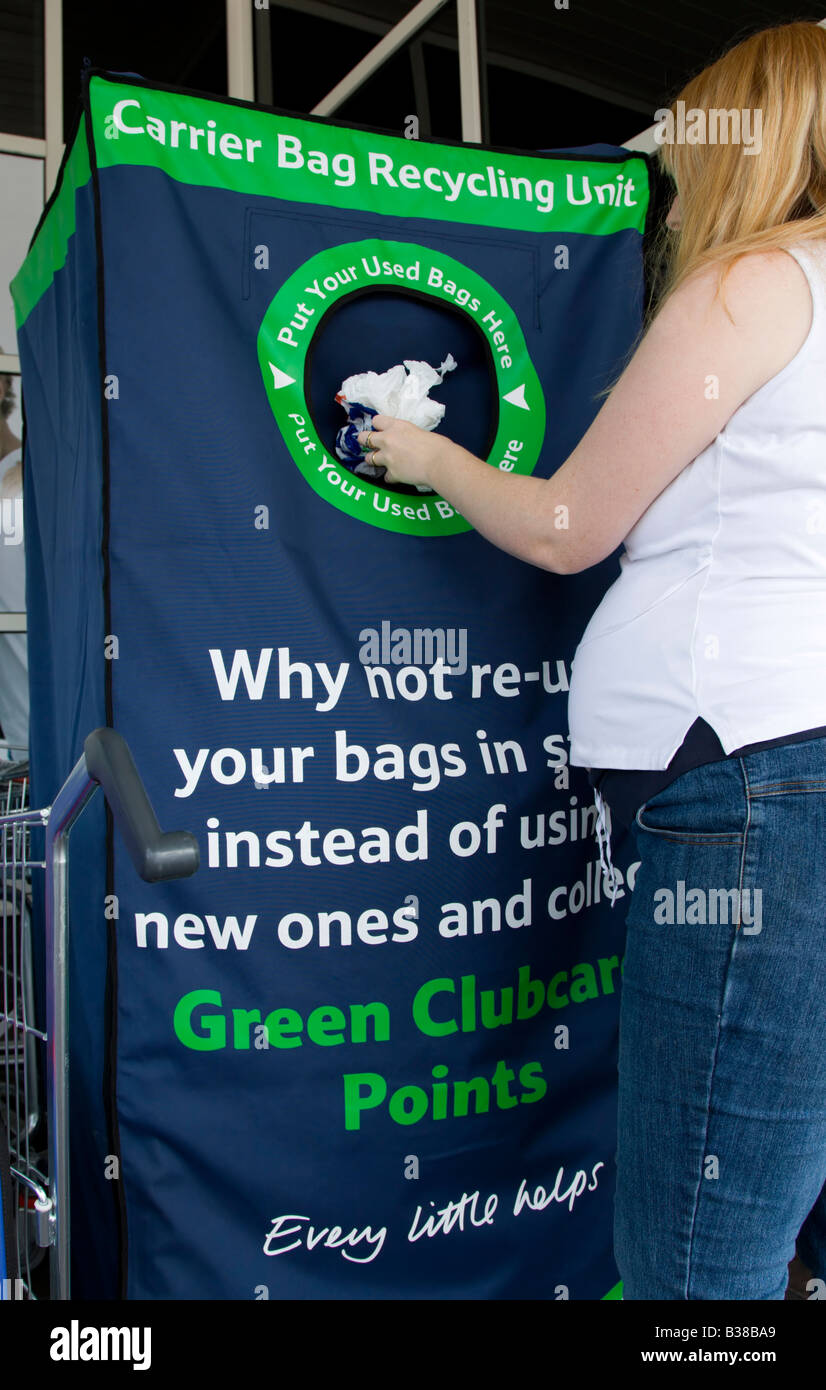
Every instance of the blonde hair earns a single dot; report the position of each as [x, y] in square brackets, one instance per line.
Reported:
[731, 202]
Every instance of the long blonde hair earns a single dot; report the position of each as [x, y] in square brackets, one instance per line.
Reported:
[732, 202]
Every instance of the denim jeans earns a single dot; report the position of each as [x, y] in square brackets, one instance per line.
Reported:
[721, 1139]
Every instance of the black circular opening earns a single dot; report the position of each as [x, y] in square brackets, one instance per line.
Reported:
[373, 329]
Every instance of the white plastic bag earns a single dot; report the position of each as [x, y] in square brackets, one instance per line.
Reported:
[401, 391]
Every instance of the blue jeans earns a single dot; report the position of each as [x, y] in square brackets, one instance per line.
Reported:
[721, 1139]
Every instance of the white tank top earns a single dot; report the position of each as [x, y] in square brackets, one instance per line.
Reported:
[720, 607]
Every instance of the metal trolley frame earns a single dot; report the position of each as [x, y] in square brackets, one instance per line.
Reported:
[40, 1199]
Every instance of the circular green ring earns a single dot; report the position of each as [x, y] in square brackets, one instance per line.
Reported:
[289, 405]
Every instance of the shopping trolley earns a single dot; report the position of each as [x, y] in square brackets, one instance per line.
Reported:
[34, 1133]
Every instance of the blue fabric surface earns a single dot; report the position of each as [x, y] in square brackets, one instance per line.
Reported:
[215, 1145]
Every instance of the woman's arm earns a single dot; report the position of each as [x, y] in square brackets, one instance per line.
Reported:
[691, 371]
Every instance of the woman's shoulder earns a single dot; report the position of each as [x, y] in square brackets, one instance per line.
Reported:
[763, 292]
[752, 275]
[753, 322]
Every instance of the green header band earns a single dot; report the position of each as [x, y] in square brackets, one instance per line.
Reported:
[48, 253]
[245, 150]
[198, 141]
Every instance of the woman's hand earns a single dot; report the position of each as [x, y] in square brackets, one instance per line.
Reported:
[405, 450]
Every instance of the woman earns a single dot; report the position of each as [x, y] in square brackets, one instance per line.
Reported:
[698, 698]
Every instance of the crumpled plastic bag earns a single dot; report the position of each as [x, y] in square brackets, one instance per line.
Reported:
[397, 392]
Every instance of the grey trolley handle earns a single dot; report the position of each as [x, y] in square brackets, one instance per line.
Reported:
[157, 855]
